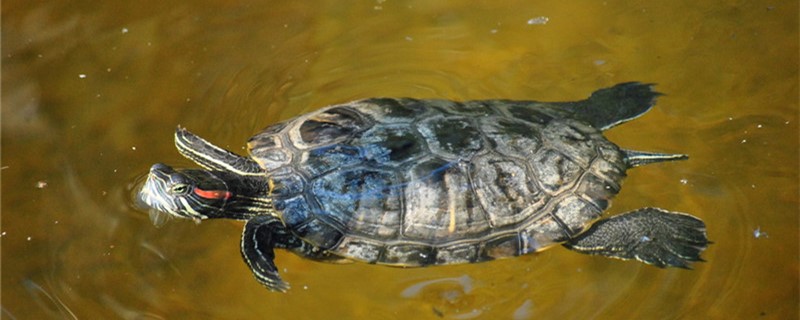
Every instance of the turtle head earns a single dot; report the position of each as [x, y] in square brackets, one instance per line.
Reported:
[202, 194]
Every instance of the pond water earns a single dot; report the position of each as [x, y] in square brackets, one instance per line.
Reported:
[92, 91]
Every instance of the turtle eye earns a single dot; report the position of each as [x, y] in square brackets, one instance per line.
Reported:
[179, 188]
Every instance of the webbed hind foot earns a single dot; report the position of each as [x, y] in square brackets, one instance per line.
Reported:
[651, 235]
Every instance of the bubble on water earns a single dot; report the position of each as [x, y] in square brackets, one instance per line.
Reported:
[541, 20]
[758, 234]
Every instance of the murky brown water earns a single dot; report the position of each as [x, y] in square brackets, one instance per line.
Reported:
[91, 92]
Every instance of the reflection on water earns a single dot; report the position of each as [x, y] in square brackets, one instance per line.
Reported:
[448, 296]
[91, 93]
[49, 304]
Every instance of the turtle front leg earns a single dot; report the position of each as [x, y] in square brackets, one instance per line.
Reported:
[261, 235]
[651, 235]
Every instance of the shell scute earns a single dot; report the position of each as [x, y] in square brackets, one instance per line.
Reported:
[330, 126]
[554, 171]
[321, 233]
[364, 201]
[453, 138]
[324, 159]
[408, 254]
[511, 137]
[286, 183]
[392, 145]
[440, 205]
[296, 210]
[505, 189]
[460, 253]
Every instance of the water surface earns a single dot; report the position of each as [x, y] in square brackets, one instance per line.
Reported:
[91, 93]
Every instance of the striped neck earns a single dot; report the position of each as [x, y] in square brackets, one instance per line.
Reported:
[245, 197]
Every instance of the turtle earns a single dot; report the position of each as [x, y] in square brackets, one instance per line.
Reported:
[418, 182]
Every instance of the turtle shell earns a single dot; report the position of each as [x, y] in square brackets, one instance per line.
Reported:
[417, 182]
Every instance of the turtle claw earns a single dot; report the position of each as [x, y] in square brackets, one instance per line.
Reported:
[272, 281]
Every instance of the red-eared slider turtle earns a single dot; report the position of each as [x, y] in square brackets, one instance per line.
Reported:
[409, 182]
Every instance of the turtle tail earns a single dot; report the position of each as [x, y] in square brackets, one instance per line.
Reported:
[612, 106]
[639, 158]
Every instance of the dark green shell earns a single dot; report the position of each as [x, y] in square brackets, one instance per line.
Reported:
[418, 182]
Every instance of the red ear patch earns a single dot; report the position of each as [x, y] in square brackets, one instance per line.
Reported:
[212, 194]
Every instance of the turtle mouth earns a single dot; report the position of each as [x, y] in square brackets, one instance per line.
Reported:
[155, 198]
[152, 192]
